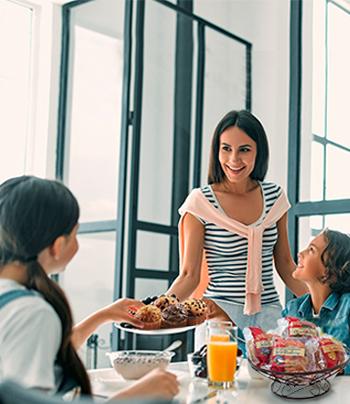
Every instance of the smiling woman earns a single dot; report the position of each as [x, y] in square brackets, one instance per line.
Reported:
[239, 221]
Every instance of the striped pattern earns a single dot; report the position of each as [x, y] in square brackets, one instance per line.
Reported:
[226, 254]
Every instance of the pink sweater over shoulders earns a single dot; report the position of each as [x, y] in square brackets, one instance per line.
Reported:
[198, 205]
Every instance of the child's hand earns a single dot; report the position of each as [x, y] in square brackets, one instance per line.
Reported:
[123, 310]
[215, 311]
[157, 383]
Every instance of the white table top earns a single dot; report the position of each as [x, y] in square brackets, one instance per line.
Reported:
[246, 391]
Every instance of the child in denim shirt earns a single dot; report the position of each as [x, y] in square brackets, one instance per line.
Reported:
[324, 266]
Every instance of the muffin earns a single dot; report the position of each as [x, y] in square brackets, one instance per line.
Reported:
[174, 315]
[197, 311]
[150, 316]
[164, 301]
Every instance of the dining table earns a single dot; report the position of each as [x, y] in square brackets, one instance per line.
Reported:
[249, 387]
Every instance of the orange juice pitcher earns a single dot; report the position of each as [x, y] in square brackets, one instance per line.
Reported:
[221, 338]
[222, 353]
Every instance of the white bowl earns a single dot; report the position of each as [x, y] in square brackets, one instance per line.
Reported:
[132, 365]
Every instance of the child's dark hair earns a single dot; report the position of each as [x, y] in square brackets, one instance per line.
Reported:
[34, 212]
[336, 259]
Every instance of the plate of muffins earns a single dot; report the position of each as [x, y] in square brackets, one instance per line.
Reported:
[166, 315]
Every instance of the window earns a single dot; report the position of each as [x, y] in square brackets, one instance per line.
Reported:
[94, 108]
[319, 155]
[16, 86]
[89, 138]
[328, 142]
[88, 282]
[30, 55]
[310, 227]
[132, 107]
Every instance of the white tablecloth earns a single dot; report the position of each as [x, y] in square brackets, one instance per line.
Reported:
[246, 391]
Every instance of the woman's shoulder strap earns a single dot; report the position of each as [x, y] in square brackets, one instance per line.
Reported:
[8, 297]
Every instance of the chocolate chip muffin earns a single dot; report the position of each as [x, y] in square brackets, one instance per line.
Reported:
[174, 315]
[164, 301]
[197, 311]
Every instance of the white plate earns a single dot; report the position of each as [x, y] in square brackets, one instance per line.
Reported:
[161, 331]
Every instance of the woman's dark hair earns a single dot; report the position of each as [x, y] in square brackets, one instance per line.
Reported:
[336, 259]
[34, 212]
[247, 122]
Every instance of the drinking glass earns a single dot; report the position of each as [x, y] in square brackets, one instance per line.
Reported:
[222, 353]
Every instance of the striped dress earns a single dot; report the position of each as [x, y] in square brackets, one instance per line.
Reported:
[226, 254]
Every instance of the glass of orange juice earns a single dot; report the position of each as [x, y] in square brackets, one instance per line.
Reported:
[222, 353]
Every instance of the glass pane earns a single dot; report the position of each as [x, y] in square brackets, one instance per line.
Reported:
[318, 67]
[309, 227]
[15, 87]
[224, 86]
[152, 251]
[338, 165]
[338, 222]
[88, 282]
[317, 223]
[149, 287]
[94, 106]
[338, 88]
[157, 125]
[331, 84]
[316, 171]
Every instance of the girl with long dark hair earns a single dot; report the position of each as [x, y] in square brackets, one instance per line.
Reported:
[38, 237]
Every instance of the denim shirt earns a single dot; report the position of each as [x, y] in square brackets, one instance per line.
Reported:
[333, 318]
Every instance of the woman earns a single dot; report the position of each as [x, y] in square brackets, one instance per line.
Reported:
[38, 237]
[240, 221]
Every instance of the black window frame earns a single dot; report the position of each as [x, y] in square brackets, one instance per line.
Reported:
[300, 208]
[130, 128]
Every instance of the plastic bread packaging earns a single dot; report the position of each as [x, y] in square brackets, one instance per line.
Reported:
[332, 352]
[288, 355]
[295, 346]
[293, 327]
[259, 345]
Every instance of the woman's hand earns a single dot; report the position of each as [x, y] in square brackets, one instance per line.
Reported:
[122, 310]
[157, 383]
[216, 312]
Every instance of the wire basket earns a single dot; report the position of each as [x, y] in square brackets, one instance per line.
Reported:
[302, 385]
